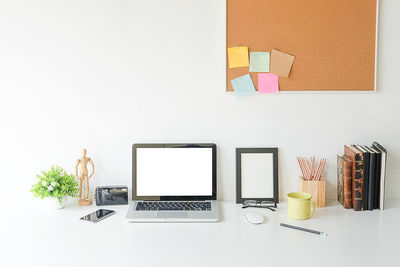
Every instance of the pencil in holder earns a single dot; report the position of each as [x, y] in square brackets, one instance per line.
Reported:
[316, 188]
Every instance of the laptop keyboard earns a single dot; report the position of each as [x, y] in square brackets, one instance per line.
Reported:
[174, 205]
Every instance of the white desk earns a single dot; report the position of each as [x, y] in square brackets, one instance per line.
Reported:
[58, 238]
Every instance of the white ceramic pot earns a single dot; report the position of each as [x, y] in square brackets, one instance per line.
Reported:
[53, 204]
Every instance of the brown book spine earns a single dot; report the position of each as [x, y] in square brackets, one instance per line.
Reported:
[351, 155]
[357, 182]
[357, 175]
[347, 182]
[340, 181]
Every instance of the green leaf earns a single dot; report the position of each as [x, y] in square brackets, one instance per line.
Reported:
[66, 185]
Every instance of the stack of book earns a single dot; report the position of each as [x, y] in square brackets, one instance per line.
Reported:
[361, 177]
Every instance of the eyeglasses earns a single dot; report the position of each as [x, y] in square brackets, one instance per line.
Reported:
[259, 204]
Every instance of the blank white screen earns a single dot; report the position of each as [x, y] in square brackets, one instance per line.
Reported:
[174, 171]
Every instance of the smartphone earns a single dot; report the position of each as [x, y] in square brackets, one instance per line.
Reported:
[98, 215]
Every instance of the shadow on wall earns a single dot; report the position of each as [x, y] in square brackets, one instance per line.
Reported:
[331, 193]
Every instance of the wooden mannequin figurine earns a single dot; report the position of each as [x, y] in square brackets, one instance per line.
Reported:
[84, 177]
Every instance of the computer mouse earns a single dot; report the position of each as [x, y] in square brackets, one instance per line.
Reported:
[254, 217]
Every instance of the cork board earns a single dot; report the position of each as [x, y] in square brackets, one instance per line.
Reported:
[333, 41]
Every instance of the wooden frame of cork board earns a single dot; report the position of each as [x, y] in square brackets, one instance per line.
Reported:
[334, 41]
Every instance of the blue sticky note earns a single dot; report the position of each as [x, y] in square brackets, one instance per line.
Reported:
[243, 86]
[259, 61]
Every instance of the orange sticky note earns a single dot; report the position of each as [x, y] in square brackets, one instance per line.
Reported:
[281, 63]
[238, 57]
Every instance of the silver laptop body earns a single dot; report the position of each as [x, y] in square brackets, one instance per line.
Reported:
[174, 183]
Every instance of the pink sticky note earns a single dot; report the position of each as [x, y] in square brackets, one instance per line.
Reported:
[268, 83]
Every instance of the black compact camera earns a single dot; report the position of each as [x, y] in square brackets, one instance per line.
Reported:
[111, 195]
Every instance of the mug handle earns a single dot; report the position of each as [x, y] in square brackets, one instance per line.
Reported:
[314, 207]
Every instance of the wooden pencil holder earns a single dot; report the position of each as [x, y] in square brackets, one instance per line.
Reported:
[316, 189]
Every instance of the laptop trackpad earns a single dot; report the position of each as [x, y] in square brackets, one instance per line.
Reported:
[172, 214]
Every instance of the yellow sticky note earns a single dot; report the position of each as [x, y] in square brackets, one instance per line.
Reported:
[238, 57]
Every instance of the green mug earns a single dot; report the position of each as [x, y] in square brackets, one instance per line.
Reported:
[299, 205]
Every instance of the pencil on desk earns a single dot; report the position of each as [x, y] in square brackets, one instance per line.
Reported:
[303, 229]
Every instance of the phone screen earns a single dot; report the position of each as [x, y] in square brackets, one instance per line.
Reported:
[98, 215]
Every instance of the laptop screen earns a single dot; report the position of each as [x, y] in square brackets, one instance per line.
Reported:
[169, 171]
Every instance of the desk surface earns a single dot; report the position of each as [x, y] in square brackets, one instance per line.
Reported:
[58, 238]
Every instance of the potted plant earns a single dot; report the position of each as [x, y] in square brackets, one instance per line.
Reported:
[55, 185]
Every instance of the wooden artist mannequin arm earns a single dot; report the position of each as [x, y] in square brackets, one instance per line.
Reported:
[76, 168]
[91, 164]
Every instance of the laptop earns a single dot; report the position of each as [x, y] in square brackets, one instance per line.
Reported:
[174, 183]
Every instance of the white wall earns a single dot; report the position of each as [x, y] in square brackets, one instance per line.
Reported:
[106, 74]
